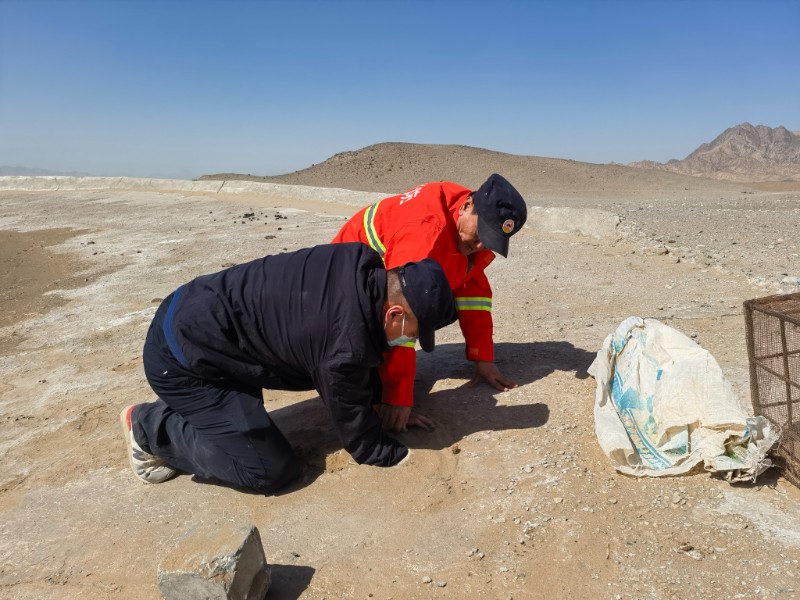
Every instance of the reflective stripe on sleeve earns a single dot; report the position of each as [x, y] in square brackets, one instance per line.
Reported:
[474, 303]
[369, 228]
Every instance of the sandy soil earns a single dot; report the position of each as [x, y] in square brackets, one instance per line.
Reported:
[509, 497]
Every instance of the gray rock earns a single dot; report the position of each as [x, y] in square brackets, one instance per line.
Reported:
[222, 561]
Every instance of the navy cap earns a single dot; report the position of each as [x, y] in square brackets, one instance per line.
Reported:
[501, 213]
[429, 296]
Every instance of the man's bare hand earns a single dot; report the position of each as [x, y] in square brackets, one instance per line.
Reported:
[418, 420]
[400, 418]
[492, 375]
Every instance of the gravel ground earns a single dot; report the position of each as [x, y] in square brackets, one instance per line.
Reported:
[509, 497]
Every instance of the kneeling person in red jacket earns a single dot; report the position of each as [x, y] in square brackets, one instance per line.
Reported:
[461, 230]
[319, 318]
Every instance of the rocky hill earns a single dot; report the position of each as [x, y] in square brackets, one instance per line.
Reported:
[742, 153]
[396, 167]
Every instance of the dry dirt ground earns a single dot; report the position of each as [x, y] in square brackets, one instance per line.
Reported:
[509, 497]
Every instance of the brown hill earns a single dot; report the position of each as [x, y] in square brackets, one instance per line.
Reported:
[742, 153]
[396, 167]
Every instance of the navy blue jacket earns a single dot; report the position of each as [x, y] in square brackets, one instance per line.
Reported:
[311, 318]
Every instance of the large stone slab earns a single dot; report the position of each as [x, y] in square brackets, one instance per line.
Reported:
[293, 192]
[222, 561]
[596, 223]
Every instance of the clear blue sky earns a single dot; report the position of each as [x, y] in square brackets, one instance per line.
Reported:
[183, 88]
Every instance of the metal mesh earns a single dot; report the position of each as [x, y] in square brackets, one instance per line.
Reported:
[773, 344]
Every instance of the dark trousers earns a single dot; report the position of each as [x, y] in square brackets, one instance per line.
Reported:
[216, 431]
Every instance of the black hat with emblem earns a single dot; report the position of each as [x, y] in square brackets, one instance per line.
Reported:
[501, 213]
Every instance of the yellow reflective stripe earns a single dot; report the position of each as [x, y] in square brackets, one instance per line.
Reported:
[369, 228]
[408, 345]
[474, 303]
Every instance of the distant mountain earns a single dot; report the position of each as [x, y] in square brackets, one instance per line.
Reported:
[399, 166]
[4, 170]
[742, 153]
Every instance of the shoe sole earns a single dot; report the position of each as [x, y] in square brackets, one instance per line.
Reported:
[127, 434]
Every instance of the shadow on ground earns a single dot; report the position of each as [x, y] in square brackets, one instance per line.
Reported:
[289, 581]
[470, 408]
[524, 363]
[460, 411]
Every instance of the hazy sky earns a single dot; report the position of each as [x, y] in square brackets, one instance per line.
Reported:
[183, 88]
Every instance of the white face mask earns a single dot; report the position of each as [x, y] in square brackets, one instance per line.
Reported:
[403, 339]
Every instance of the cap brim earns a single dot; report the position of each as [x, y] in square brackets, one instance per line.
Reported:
[426, 338]
[492, 239]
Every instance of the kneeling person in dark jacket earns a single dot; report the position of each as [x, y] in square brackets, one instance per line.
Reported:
[319, 318]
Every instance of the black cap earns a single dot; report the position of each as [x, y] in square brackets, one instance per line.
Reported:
[428, 293]
[501, 213]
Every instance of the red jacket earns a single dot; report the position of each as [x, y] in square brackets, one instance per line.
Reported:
[422, 224]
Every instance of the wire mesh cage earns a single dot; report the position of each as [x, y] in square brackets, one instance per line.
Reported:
[773, 345]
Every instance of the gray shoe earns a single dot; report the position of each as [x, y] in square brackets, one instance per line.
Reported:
[147, 467]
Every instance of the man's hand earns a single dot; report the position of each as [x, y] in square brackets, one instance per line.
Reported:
[400, 418]
[492, 375]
